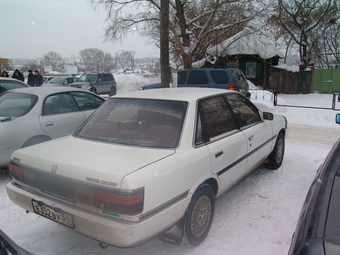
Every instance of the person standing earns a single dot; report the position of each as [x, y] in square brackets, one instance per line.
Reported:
[18, 75]
[4, 74]
[38, 79]
[30, 78]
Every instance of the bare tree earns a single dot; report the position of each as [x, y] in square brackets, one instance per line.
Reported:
[331, 47]
[53, 59]
[193, 25]
[307, 21]
[126, 59]
[96, 60]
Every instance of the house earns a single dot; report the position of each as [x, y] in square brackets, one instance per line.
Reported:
[257, 57]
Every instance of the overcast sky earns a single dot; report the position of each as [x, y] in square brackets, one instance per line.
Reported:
[31, 28]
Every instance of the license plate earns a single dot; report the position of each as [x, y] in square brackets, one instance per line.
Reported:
[242, 90]
[54, 214]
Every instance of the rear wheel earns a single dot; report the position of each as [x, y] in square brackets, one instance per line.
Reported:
[275, 158]
[200, 216]
[112, 91]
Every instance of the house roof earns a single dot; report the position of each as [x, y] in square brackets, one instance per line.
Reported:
[246, 42]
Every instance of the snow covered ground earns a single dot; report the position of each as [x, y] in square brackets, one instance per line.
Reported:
[257, 217]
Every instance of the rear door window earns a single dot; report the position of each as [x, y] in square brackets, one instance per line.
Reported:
[181, 76]
[217, 117]
[197, 77]
[59, 103]
[219, 76]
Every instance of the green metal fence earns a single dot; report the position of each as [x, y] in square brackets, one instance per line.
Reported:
[326, 80]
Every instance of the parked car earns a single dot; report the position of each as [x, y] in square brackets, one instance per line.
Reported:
[33, 115]
[47, 78]
[98, 83]
[62, 80]
[223, 78]
[148, 163]
[9, 247]
[9, 83]
[318, 227]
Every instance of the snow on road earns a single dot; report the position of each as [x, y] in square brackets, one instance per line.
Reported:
[257, 217]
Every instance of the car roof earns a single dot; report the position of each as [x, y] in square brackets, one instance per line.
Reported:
[183, 94]
[45, 90]
[4, 79]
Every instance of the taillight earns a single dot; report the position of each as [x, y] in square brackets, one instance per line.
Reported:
[231, 87]
[82, 194]
[129, 203]
[21, 174]
[16, 172]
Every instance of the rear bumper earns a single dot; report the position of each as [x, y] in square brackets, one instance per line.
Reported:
[117, 232]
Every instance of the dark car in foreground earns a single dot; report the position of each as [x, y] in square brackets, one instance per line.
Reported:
[318, 228]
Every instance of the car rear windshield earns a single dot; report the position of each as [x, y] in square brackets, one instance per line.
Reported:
[16, 104]
[137, 122]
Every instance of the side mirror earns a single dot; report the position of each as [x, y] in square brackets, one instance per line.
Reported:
[270, 116]
[337, 118]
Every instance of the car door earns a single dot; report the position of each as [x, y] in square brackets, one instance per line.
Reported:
[60, 115]
[258, 133]
[103, 83]
[227, 145]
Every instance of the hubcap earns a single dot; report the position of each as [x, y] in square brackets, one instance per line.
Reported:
[201, 216]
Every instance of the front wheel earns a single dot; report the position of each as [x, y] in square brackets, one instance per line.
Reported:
[200, 216]
[275, 158]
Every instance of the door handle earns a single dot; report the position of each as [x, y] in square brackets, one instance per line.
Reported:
[250, 138]
[48, 124]
[218, 154]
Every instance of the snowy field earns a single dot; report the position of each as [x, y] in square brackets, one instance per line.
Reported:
[257, 217]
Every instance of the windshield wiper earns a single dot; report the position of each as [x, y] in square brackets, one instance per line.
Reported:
[6, 119]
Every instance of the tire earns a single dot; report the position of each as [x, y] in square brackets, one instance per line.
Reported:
[199, 216]
[275, 158]
[93, 90]
[35, 140]
[112, 91]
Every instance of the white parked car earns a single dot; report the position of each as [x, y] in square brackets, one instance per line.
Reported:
[36, 114]
[148, 163]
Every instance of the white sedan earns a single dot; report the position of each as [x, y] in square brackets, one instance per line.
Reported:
[33, 115]
[148, 163]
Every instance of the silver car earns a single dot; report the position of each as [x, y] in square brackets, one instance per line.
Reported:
[9, 83]
[61, 81]
[37, 114]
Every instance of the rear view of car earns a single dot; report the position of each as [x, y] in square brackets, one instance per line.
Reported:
[222, 78]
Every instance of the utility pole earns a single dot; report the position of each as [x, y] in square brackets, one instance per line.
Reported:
[164, 44]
